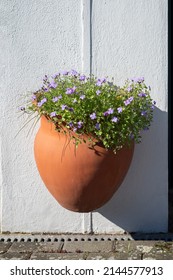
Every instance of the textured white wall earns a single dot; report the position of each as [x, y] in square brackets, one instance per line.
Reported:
[119, 38]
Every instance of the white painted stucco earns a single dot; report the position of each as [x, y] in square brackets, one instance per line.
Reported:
[118, 38]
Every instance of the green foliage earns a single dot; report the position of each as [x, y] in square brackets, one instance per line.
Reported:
[108, 114]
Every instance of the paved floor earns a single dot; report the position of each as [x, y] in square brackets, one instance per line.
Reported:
[85, 247]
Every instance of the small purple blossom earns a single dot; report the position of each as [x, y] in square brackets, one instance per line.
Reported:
[114, 119]
[45, 89]
[108, 112]
[98, 92]
[70, 90]
[143, 113]
[55, 75]
[70, 124]
[56, 98]
[33, 97]
[44, 100]
[64, 72]
[153, 105]
[52, 84]
[129, 89]
[97, 126]
[93, 116]
[128, 101]
[73, 72]
[53, 114]
[100, 81]
[103, 80]
[138, 80]
[63, 107]
[82, 78]
[119, 109]
[131, 98]
[71, 109]
[80, 124]
[82, 96]
[142, 94]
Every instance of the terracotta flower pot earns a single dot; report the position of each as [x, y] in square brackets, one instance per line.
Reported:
[81, 179]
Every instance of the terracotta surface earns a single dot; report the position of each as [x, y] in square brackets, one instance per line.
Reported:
[81, 179]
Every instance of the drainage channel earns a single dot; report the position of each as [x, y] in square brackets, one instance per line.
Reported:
[84, 238]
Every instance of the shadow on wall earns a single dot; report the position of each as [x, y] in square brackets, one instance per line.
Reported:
[140, 204]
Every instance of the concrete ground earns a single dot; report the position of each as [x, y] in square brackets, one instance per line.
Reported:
[86, 247]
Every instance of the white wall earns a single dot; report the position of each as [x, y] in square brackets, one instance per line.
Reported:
[119, 38]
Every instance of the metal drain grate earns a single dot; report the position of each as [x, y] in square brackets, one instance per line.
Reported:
[83, 238]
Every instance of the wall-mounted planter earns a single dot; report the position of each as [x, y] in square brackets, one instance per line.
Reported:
[81, 179]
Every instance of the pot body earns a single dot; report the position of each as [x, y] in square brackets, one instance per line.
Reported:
[81, 179]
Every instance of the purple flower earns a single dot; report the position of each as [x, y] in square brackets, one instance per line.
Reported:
[138, 80]
[153, 105]
[103, 80]
[55, 75]
[108, 112]
[128, 101]
[63, 107]
[74, 72]
[64, 72]
[70, 124]
[131, 98]
[53, 114]
[79, 124]
[56, 98]
[82, 96]
[44, 100]
[100, 81]
[52, 84]
[70, 90]
[33, 97]
[98, 92]
[82, 78]
[97, 126]
[142, 94]
[45, 89]
[93, 116]
[143, 113]
[129, 89]
[119, 109]
[115, 119]
[71, 109]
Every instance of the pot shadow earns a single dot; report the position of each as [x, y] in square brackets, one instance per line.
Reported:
[141, 202]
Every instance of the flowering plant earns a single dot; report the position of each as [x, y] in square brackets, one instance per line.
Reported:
[108, 114]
